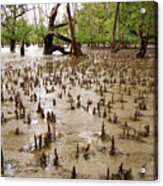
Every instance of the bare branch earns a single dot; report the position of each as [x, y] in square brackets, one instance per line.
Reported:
[24, 11]
[60, 25]
[53, 15]
[60, 36]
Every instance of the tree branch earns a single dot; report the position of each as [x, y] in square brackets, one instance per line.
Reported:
[60, 25]
[23, 12]
[5, 26]
[52, 18]
[60, 36]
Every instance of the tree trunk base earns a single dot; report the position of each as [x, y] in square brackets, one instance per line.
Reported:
[115, 50]
[22, 50]
[12, 45]
[49, 47]
[48, 50]
[140, 54]
[143, 47]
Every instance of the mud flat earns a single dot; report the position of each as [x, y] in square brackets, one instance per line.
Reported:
[90, 118]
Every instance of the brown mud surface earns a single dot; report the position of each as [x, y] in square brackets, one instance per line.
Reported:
[105, 71]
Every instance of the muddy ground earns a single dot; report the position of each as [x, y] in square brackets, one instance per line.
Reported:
[119, 78]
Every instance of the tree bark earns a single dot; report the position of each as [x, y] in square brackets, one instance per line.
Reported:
[143, 47]
[48, 39]
[22, 50]
[12, 45]
[49, 47]
[74, 44]
[62, 37]
[115, 25]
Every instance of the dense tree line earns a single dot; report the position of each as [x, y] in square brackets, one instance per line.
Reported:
[115, 25]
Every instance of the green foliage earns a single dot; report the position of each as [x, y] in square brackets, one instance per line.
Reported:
[38, 32]
[95, 23]
[23, 30]
[20, 29]
[133, 20]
